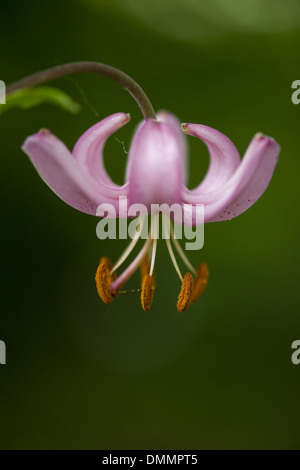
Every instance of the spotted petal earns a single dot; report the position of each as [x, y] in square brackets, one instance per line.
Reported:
[243, 189]
[224, 157]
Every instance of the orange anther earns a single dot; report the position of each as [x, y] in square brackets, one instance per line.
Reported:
[103, 280]
[147, 292]
[184, 298]
[200, 282]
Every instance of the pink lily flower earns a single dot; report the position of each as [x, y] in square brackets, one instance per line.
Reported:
[155, 174]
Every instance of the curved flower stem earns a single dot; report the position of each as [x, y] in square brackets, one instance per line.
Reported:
[89, 67]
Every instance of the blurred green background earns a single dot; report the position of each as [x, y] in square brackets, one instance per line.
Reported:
[82, 375]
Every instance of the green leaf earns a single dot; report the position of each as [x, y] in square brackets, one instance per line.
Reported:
[30, 97]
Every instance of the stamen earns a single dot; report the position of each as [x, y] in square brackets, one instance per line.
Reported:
[144, 268]
[181, 252]
[103, 281]
[147, 292]
[154, 246]
[184, 298]
[115, 286]
[130, 247]
[200, 282]
[169, 246]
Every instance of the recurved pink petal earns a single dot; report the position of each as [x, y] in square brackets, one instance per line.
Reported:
[62, 173]
[173, 121]
[224, 157]
[89, 147]
[155, 169]
[244, 188]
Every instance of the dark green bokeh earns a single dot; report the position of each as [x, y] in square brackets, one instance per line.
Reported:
[82, 375]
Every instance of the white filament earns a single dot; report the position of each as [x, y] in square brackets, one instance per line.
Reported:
[169, 246]
[130, 247]
[154, 246]
[181, 252]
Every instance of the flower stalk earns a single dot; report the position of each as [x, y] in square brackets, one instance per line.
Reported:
[89, 67]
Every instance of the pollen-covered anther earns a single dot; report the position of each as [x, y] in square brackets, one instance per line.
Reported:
[200, 282]
[147, 292]
[184, 298]
[104, 279]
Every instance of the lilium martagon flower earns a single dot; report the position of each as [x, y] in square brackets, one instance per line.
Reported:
[155, 174]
